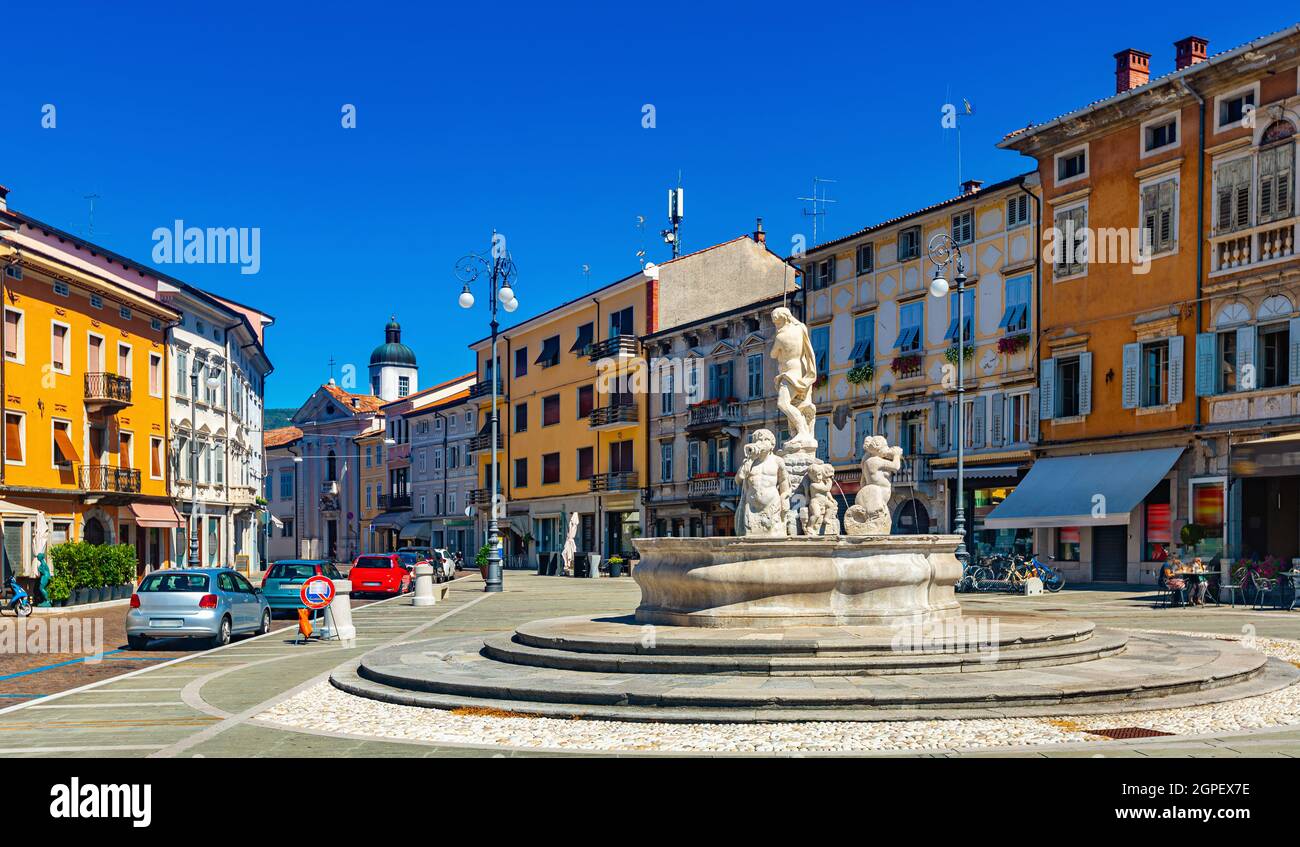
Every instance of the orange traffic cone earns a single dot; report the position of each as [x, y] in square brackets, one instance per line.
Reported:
[304, 623]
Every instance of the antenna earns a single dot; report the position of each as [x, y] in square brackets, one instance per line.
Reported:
[818, 200]
[331, 363]
[673, 235]
[586, 275]
[92, 198]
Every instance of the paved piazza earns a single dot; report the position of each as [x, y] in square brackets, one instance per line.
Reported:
[268, 697]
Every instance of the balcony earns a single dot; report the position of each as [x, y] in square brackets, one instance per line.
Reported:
[915, 469]
[483, 441]
[1264, 244]
[712, 414]
[1262, 404]
[108, 480]
[105, 391]
[613, 416]
[480, 497]
[615, 347]
[394, 502]
[623, 481]
[483, 388]
[330, 488]
[707, 492]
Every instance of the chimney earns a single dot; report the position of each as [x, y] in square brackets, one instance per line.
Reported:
[971, 186]
[4, 193]
[759, 235]
[1132, 68]
[1190, 50]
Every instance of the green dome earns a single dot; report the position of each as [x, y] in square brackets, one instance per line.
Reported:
[393, 351]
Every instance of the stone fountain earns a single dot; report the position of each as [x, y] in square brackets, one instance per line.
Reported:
[792, 620]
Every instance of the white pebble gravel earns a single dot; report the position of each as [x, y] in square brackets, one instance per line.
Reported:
[324, 708]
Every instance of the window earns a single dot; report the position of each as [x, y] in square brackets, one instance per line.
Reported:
[1160, 134]
[720, 381]
[754, 372]
[967, 308]
[551, 410]
[59, 347]
[14, 271]
[1226, 350]
[910, 335]
[1018, 418]
[1233, 107]
[403, 385]
[1155, 373]
[864, 340]
[96, 301]
[521, 473]
[1071, 165]
[550, 354]
[369, 454]
[550, 468]
[963, 227]
[909, 243]
[821, 431]
[1276, 182]
[1067, 544]
[155, 324]
[667, 388]
[63, 450]
[666, 461]
[1067, 386]
[1015, 317]
[15, 344]
[1157, 531]
[1232, 182]
[1018, 211]
[821, 274]
[286, 527]
[722, 454]
[622, 323]
[286, 485]
[15, 438]
[821, 345]
[155, 457]
[155, 375]
[521, 417]
[866, 258]
[1158, 219]
[182, 373]
[369, 497]
[586, 456]
[521, 362]
[125, 313]
[863, 425]
[62, 289]
[693, 458]
[124, 360]
[1274, 355]
[1069, 241]
[453, 457]
[585, 335]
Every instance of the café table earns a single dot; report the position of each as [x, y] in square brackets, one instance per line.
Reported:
[1293, 576]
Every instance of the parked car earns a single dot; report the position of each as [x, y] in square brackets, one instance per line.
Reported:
[444, 568]
[282, 585]
[212, 603]
[382, 573]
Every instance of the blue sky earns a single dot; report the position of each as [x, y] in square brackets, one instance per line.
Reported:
[526, 119]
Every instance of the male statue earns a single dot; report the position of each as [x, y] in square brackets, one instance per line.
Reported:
[869, 514]
[796, 373]
[764, 489]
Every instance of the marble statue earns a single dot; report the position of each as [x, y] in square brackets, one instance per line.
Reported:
[821, 515]
[570, 544]
[764, 489]
[796, 366]
[869, 514]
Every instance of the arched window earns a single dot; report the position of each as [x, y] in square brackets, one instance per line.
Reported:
[331, 467]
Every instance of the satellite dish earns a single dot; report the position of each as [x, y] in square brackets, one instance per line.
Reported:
[651, 270]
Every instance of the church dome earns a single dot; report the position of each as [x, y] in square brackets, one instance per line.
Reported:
[393, 351]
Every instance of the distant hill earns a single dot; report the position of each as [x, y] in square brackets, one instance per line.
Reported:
[276, 418]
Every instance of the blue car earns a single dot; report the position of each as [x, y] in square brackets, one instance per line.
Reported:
[282, 584]
[209, 603]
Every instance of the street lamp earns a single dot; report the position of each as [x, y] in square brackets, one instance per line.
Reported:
[944, 252]
[213, 380]
[501, 272]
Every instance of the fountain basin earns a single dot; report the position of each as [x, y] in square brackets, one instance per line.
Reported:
[802, 581]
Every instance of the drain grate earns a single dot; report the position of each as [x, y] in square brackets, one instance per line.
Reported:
[1122, 732]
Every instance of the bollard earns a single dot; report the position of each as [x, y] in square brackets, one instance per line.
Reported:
[424, 595]
[338, 614]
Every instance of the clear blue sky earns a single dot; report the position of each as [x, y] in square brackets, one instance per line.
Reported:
[523, 118]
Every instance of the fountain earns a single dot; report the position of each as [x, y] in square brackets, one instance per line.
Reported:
[792, 620]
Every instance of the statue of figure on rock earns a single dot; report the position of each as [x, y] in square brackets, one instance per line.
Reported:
[822, 512]
[764, 489]
[869, 514]
[796, 373]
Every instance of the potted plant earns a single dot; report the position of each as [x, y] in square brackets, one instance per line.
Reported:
[859, 374]
[1010, 344]
[1192, 535]
[906, 364]
[951, 353]
[616, 565]
[481, 559]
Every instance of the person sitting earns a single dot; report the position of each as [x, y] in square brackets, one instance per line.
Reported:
[1174, 583]
[1200, 582]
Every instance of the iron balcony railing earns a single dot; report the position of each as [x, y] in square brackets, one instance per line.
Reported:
[621, 481]
[710, 415]
[109, 479]
[106, 387]
[615, 413]
[394, 502]
[614, 347]
[483, 388]
[483, 441]
[480, 497]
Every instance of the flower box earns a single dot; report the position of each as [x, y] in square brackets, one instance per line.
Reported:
[1013, 343]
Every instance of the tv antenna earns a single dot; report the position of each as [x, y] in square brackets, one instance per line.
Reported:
[673, 235]
[819, 202]
[92, 198]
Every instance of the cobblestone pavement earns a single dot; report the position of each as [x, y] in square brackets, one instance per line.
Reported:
[205, 703]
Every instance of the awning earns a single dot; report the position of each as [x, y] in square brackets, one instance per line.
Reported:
[154, 515]
[1096, 490]
[64, 444]
[7, 508]
[977, 471]
[416, 531]
[1277, 456]
[390, 520]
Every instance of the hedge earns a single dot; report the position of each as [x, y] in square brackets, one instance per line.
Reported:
[77, 564]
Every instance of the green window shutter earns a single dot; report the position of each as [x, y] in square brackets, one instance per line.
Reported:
[1294, 357]
[1246, 358]
[1129, 390]
[941, 425]
[1033, 415]
[978, 418]
[998, 403]
[1205, 363]
[1175, 394]
[1047, 389]
[1085, 383]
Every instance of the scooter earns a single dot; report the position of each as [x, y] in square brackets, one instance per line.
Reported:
[20, 603]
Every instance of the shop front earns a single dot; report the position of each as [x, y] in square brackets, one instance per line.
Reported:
[986, 486]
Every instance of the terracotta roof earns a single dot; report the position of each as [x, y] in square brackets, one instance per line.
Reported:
[280, 437]
[364, 402]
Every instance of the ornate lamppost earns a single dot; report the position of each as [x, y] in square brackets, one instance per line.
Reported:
[945, 252]
[500, 270]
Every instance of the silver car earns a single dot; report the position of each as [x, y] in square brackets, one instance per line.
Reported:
[211, 603]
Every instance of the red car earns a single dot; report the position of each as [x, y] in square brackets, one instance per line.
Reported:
[380, 573]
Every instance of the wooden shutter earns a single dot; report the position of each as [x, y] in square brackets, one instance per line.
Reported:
[1246, 358]
[978, 418]
[1267, 184]
[1164, 234]
[1033, 415]
[1129, 392]
[1085, 383]
[1149, 223]
[1241, 195]
[1175, 393]
[1047, 389]
[155, 458]
[13, 438]
[941, 425]
[1206, 364]
[998, 403]
[1293, 327]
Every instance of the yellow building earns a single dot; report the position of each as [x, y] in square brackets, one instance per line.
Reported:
[84, 391]
[372, 477]
[573, 399]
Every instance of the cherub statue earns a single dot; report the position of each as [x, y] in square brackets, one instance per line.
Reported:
[822, 516]
[764, 489]
[869, 514]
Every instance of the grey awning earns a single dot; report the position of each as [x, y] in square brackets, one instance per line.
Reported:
[1096, 490]
[978, 471]
[416, 531]
[391, 520]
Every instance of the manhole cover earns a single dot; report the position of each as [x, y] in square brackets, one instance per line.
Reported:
[1122, 732]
